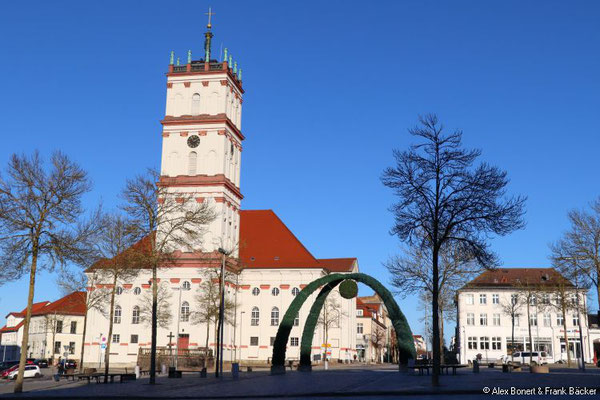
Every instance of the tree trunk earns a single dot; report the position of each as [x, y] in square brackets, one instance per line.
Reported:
[435, 379]
[83, 337]
[512, 339]
[441, 335]
[206, 347]
[110, 329]
[154, 327]
[564, 315]
[20, 375]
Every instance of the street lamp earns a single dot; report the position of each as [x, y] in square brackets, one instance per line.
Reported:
[219, 364]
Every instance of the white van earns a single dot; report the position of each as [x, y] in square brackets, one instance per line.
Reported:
[522, 357]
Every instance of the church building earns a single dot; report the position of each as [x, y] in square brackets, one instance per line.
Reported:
[202, 145]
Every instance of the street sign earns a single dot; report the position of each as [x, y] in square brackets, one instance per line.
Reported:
[103, 346]
[326, 345]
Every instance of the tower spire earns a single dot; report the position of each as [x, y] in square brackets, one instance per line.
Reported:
[208, 36]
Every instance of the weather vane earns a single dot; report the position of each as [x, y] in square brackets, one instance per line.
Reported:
[210, 14]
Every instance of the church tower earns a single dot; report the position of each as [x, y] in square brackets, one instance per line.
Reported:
[202, 139]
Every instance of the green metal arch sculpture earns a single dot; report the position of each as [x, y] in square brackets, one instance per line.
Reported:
[403, 333]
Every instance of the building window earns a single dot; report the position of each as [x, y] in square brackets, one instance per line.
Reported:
[470, 319]
[547, 319]
[514, 298]
[186, 285]
[496, 343]
[575, 320]
[359, 313]
[196, 104]
[496, 298]
[134, 339]
[483, 319]
[496, 319]
[59, 326]
[135, 316]
[472, 343]
[545, 298]
[274, 316]
[255, 291]
[254, 316]
[137, 291]
[71, 347]
[484, 343]
[296, 321]
[295, 291]
[559, 320]
[483, 299]
[119, 290]
[116, 338]
[517, 320]
[117, 315]
[253, 340]
[56, 347]
[359, 328]
[272, 341]
[185, 311]
[294, 341]
[533, 320]
[532, 300]
[275, 291]
[73, 326]
[469, 299]
[192, 163]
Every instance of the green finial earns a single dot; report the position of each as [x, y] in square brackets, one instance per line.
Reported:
[235, 67]
[230, 62]
[189, 56]
[172, 57]
[225, 58]
[177, 60]
[240, 74]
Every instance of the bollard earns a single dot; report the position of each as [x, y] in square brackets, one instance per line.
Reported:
[203, 373]
[163, 369]
[137, 372]
[475, 366]
[235, 370]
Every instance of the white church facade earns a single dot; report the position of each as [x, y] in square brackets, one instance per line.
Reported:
[201, 156]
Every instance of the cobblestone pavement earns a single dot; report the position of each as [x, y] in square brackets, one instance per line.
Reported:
[358, 382]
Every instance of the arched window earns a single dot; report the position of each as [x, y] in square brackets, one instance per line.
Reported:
[135, 316]
[192, 163]
[295, 291]
[255, 291]
[117, 315]
[185, 311]
[274, 316]
[196, 104]
[255, 316]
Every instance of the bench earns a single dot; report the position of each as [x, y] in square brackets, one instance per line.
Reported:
[454, 367]
[421, 368]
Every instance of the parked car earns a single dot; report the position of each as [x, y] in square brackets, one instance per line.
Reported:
[41, 362]
[31, 371]
[522, 357]
[68, 364]
[7, 371]
[4, 365]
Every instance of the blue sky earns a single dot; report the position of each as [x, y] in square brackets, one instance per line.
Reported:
[331, 88]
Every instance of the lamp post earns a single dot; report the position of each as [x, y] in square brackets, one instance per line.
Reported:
[219, 364]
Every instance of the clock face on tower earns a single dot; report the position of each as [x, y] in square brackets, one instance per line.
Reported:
[193, 141]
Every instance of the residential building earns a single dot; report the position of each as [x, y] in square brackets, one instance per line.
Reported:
[201, 155]
[484, 319]
[374, 329]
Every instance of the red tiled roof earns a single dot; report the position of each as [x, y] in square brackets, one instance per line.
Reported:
[510, 277]
[337, 264]
[367, 310]
[72, 304]
[12, 328]
[34, 308]
[132, 254]
[265, 242]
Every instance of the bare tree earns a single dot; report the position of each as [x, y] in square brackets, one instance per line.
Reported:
[412, 274]
[95, 298]
[511, 308]
[163, 314]
[444, 200]
[169, 221]
[207, 300]
[52, 323]
[529, 295]
[120, 262]
[330, 317]
[577, 253]
[40, 223]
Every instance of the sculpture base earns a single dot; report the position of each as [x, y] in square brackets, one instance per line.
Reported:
[305, 368]
[277, 370]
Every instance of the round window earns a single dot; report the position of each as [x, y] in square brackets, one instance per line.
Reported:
[275, 291]
[119, 290]
[256, 291]
[295, 291]
[186, 285]
[137, 291]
